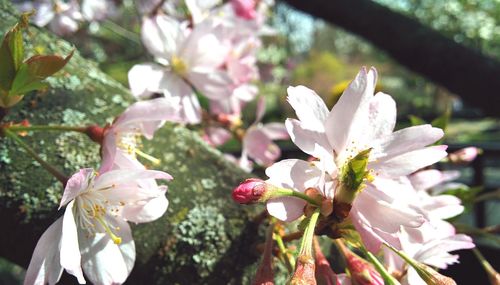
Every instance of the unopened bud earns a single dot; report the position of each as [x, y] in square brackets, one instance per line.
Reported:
[251, 191]
[265, 274]
[304, 271]
[431, 276]
[324, 272]
[95, 133]
[362, 272]
[465, 155]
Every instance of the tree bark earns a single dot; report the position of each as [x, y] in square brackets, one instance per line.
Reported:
[204, 238]
[463, 71]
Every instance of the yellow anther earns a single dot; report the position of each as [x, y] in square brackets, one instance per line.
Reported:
[178, 66]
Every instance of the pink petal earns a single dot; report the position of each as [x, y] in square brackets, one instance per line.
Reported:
[382, 115]
[146, 79]
[76, 184]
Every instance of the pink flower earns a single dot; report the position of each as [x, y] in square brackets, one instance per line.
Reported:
[186, 59]
[360, 121]
[121, 143]
[94, 234]
[245, 8]
[258, 140]
[62, 17]
[465, 155]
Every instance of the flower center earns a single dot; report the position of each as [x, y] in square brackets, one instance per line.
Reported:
[91, 209]
[178, 66]
[130, 142]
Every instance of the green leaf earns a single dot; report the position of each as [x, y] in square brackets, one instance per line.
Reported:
[442, 121]
[12, 52]
[43, 66]
[415, 121]
[36, 69]
[7, 66]
[355, 173]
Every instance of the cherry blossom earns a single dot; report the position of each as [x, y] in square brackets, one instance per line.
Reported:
[188, 60]
[61, 17]
[122, 140]
[93, 235]
[359, 122]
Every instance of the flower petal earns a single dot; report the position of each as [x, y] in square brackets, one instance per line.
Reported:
[348, 118]
[146, 79]
[214, 84]
[45, 266]
[309, 107]
[293, 174]
[410, 162]
[161, 34]
[382, 115]
[105, 262]
[70, 251]
[76, 184]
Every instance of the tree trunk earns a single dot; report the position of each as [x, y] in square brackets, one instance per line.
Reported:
[464, 71]
[204, 238]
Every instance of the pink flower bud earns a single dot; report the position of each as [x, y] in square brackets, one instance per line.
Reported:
[250, 191]
[304, 271]
[245, 8]
[362, 272]
[465, 155]
[324, 272]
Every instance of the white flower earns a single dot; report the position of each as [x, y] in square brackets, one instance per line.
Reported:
[186, 59]
[94, 234]
[360, 121]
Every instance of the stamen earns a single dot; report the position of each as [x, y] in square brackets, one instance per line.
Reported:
[153, 159]
[116, 239]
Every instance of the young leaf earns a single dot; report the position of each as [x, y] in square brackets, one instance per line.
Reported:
[43, 66]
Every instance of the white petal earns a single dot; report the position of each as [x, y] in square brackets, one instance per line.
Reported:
[382, 115]
[426, 179]
[259, 146]
[312, 142]
[145, 79]
[293, 174]
[276, 131]
[147, 116]
[115, 178]
[105, 262]
[177, 89]
[286, 209]
[161, 35]
[309, 107]
[214, 84]
[410, 162]
[146, 211]
[70, 251]
[204, 47]
[408, 139]
[349, 117]
[76, 184]
[45, 264]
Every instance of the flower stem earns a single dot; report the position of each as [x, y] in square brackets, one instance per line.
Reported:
[492, 273]
[388, 278]
[51, 169]
[307, 239]
[289, 261]
[280, 192]
[47, 128]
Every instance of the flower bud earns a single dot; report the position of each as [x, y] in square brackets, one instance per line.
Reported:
[245, 8]
[304, 271]
[465, 155]
[362, 272]
[251, 191]
[324, 272]
[431, 276]
[265, 274]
